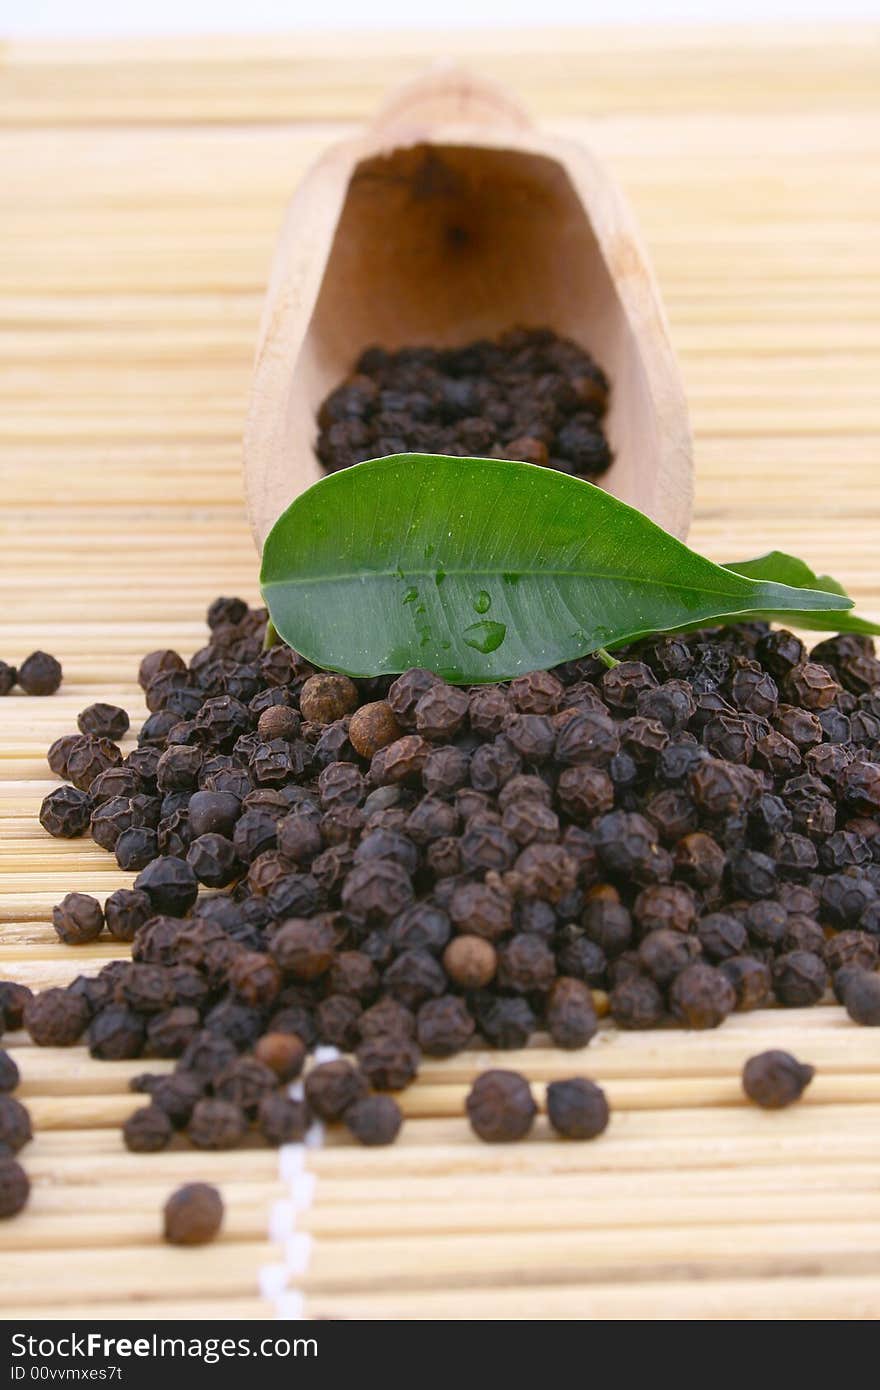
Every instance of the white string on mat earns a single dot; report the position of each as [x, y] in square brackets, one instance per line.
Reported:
[274, 1277]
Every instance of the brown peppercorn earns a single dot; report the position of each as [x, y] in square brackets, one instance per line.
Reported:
[39, 674]
[304, 948]
[147, 1130]
[193, 1214]
[470, 961]
[216, 1124]
[77, 919]
[285, 1053]
[500, 1107]
[577, 1108]
[325, 698]
[701, 996]
[775, 1079]
[372, 727]
[374, 1120]
[282, 1120]
[278, 721]
[15, 1124]
[331, 1087]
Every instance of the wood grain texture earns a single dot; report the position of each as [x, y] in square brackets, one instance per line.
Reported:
[142, 187]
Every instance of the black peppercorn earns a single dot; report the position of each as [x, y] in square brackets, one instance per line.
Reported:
[500, 1107]
[215, 1124]
[148, 1130]
[77, 919]
[281, 1120]
[577, 1108]
[750, 979]
[8, 1072]
[799, 979]
[170, 884]
[443, 1026]
[116, 1032]
[66, 812]
[15, 1125]
[374, 1120]
[14, 1186]
[701, 996]
[39, 674]
[331, 1087]
[636, 1002]
[775, 1079]
[105, 721]
[571, 1015]
[56, 1017]
[390, 1061]
[861, 998]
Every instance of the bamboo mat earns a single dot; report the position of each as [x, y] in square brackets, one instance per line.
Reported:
[142, 186]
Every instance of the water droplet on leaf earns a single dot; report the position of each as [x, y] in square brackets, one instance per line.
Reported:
[485, 636]
[482, 603]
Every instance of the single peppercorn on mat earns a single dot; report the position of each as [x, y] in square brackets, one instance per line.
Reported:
[123, 522]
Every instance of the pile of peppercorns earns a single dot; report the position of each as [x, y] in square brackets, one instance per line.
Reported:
[531, 396]
[405, 867]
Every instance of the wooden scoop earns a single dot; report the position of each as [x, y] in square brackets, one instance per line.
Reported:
[451, 219]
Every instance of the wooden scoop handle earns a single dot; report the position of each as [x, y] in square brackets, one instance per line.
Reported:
[448, 95]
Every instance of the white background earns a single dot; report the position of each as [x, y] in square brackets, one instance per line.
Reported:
[96, 17]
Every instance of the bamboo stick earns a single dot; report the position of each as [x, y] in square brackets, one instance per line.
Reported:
[840, 1298]
[140, 1224]
[451, 1261]
[38, 1278]
[108, 1111]
[153, 1310]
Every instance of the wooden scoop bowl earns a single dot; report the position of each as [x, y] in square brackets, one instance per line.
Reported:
[453, 218]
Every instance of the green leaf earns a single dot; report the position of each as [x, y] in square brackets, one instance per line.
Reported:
[482, 569]
[779, 568]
